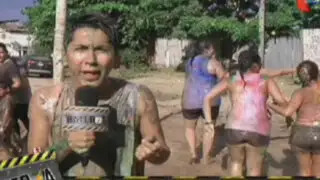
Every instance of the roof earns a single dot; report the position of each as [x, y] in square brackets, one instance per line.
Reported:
[13, 26]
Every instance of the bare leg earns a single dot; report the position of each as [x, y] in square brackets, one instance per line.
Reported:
[237, 155]
[305, 163]
[316, 165]
[208, 137]
[255, 158]
[190, 134]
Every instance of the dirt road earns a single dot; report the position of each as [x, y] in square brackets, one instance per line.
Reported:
[167, 89]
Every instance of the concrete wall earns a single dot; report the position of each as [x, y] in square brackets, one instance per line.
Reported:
[311, 45]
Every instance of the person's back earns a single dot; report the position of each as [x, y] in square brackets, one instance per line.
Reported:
[199, 82]
[309, 111]
[249, 110]
[202, 73]
[305, 131]
[248, 126]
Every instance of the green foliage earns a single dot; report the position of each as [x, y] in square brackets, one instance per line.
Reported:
[133, 58]
[142, 21]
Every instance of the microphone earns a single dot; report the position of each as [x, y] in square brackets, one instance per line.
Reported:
[85, 115]
[88, 97]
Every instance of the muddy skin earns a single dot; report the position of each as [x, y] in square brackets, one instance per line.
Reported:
[9, 145]
[248, 126]
[246, 149]
[305, 134]
[305, 142]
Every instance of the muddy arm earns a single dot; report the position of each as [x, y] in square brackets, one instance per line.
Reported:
[290, 109]
[275, 73]
[150, 126]
[40, 125]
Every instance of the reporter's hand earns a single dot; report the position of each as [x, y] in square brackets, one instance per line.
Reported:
[81, 141]
[148, 147]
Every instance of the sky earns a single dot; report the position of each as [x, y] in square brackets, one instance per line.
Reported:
[11, 9]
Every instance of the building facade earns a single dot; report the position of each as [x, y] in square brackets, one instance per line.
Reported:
[15, 35]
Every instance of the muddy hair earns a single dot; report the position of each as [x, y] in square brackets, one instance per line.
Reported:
[99, 21]
[4, 47]
[197, 47]
[307, 71]
[246, 60]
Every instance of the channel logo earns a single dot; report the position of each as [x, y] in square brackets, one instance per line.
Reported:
[307, 6]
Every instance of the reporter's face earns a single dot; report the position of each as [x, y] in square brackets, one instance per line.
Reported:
[3, 55]
[91, 56]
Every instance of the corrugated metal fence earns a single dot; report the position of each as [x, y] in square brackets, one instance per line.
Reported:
[283, 52]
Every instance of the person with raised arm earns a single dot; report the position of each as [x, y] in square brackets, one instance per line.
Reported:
[305, 131]
[248, 126]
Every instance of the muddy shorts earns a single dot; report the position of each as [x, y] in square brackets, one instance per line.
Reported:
[305, 138]
[235, 137]
[244, 144]
[194, 114]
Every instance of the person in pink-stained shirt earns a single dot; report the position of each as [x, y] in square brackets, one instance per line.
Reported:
[248, 126]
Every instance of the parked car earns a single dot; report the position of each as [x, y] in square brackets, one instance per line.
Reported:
[39, 65]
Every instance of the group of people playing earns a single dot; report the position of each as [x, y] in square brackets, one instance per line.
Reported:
[248, 125]
[135, 134]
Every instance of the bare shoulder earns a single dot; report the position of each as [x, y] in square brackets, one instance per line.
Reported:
[216, 63]
[145, 92]
[147, 102]
[47, 92]
[46, 95]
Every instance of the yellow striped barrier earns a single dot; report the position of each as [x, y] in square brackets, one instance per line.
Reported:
[40, 166]
[27, 159]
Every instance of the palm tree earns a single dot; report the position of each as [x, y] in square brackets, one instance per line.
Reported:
[59, 35]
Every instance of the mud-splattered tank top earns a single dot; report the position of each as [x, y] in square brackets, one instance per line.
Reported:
[198, 83]
[249, 112]
[114, 151]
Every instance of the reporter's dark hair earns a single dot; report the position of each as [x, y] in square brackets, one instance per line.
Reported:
[99, 21]
[3, 47]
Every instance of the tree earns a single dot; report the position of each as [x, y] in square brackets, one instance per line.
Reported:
[42, 15]
[59, 35]
[142, 21]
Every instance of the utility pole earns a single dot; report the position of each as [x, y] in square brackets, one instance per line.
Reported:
[262, 20]
[59, 35]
